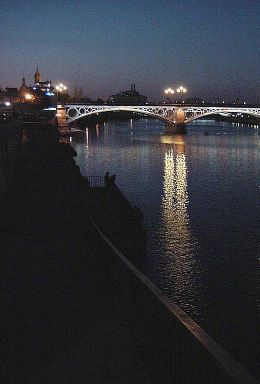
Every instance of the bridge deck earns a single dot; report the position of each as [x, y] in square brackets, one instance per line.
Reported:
[61, 316]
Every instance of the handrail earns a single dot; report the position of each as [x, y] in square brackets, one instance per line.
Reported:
[96, 181]
[206, 347]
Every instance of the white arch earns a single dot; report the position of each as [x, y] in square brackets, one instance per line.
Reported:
[159, 112]
[198, 113]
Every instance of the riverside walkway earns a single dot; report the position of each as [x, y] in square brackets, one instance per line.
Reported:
[61, 314]
[74, 309]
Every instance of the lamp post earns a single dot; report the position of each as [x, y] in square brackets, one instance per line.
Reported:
[181, 90]
[61, 92]
[168, 92]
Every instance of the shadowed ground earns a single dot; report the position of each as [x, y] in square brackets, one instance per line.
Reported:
[62, 318]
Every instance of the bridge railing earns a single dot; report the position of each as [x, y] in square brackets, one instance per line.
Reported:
[96, 181]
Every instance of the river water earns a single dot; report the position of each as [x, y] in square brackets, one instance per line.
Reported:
[200, 196]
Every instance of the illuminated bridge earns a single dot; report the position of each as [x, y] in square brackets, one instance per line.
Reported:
[172, 115]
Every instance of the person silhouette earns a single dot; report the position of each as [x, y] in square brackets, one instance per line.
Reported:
[107, 179]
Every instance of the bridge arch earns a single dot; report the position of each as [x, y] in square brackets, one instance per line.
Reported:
[74, 113]
[195, 115]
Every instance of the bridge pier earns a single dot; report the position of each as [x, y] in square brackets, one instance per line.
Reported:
[175, 128]
[178, 123]
[61, 120]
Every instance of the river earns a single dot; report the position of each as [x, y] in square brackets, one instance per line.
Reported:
[200, 196]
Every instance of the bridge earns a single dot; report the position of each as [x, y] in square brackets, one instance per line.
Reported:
[175, 116]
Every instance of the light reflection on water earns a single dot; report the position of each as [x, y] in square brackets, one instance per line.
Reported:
[201, 199]
[179, 244]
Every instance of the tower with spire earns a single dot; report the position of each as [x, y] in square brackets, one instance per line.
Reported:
[23, 89]
[37, 76]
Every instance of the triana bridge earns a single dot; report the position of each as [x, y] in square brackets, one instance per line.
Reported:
[175, 116]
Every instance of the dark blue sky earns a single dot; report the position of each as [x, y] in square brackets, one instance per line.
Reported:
[211, 47]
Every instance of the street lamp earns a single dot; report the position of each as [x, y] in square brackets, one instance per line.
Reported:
[181, 90]
[169, 92]
[61, 90]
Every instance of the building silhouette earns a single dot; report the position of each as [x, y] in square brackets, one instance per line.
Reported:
[130, 97]
[39, 92]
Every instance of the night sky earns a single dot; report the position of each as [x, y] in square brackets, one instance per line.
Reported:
[210, 47]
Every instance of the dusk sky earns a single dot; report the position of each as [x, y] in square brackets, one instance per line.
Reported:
[210, 47]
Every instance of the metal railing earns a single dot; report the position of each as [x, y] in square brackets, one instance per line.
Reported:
[172, 347]
[96, 181]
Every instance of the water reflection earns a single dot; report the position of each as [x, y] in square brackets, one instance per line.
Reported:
[179, 244]
[193, 190]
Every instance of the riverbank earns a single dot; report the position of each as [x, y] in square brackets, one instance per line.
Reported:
[61, 314]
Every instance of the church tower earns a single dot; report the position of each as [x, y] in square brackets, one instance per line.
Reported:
[37, 76]
[23, 88]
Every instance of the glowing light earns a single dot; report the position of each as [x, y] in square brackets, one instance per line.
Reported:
[7, 103]
[28, 96]
[60, 88]
[169, 91]
[181, 89]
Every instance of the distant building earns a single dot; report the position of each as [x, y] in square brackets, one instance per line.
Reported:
[23, 90]
[27, 99]
[10, 95]
[42, 87]
[40, 92]
[37, 76]
[131, 97]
